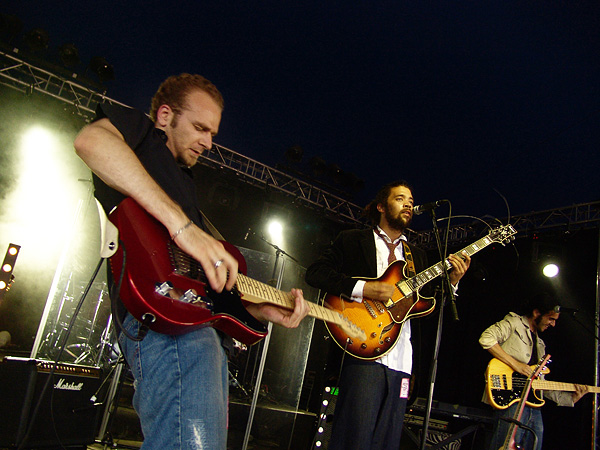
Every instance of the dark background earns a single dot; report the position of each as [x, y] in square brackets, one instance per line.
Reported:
[461, 99]
[458, 98]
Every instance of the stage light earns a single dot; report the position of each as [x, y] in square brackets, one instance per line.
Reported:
[37, 40]
[69, 55]
[294, 154]
[102, 68]
[353, 182]
[42, 197]
[275, 229]
[318, 166]
[336, 173]
[550, 270]
[8, 265]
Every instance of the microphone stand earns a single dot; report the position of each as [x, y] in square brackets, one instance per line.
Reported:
[433, 372]
[278, 252]
[276, 283]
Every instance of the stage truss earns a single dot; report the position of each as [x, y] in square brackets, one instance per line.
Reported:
[26, 77]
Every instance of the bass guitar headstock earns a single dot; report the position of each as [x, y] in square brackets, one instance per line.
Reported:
[539, 368]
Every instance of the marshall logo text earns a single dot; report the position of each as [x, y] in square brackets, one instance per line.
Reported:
[62, 384]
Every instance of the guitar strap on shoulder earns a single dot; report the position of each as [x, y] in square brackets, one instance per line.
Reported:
[408, 257]
[212, 230]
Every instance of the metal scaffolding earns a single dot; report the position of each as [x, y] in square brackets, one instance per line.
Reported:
[569, 218]
[27, 78]
[258, 174]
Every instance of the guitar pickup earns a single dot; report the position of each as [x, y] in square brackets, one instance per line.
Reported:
[163, 288]
[188, 296]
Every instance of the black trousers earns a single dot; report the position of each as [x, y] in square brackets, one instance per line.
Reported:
[369, 410]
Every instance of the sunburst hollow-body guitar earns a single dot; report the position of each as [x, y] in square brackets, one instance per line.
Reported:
[383, 321]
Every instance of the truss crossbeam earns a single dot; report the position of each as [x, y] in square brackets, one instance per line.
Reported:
[261, 175]
[583, 215]
[27, 78]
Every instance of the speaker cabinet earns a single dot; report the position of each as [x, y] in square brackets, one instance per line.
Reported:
[66, 415]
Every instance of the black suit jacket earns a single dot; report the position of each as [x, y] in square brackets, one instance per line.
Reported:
[352, 254]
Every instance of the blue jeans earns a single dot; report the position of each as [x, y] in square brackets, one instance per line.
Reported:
[181, 388]
[532, 417]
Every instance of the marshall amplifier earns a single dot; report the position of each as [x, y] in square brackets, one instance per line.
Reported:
[67, 415]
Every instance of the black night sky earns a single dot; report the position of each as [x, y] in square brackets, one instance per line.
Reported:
[459, 98]
[468, 101]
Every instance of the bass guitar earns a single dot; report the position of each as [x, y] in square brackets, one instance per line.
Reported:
[167, 289]
[504, 386]
[383, 321]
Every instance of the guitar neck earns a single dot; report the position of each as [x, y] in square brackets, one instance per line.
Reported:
[558, 386]
[436, 270]
[256, 292]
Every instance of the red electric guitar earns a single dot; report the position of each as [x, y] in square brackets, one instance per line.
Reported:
[166, 288]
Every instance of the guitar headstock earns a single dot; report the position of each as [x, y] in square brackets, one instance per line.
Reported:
[503, 234]
[540, 366]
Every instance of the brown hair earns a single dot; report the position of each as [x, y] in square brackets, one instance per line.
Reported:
[544, 302]
[174, 90]
[370, 211]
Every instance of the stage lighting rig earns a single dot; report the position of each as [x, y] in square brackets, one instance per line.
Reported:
[8, 265]
[37, 40]
[69, 55]
[102, 68]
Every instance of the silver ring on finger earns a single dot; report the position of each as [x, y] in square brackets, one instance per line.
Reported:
[218, 263]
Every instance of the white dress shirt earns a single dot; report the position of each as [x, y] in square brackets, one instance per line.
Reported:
[400, 356]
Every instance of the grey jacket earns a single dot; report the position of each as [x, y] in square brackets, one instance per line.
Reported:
[515, 338]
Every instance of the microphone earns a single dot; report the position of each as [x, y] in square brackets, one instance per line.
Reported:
[247, 234]
[563, 309]
[420, 209]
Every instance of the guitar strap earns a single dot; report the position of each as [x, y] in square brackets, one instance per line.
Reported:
[212, 230]
[408, 257]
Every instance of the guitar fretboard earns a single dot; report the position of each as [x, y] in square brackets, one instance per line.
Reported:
[436, 270]
[559, 386]
[257, 292]
[254, 291]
